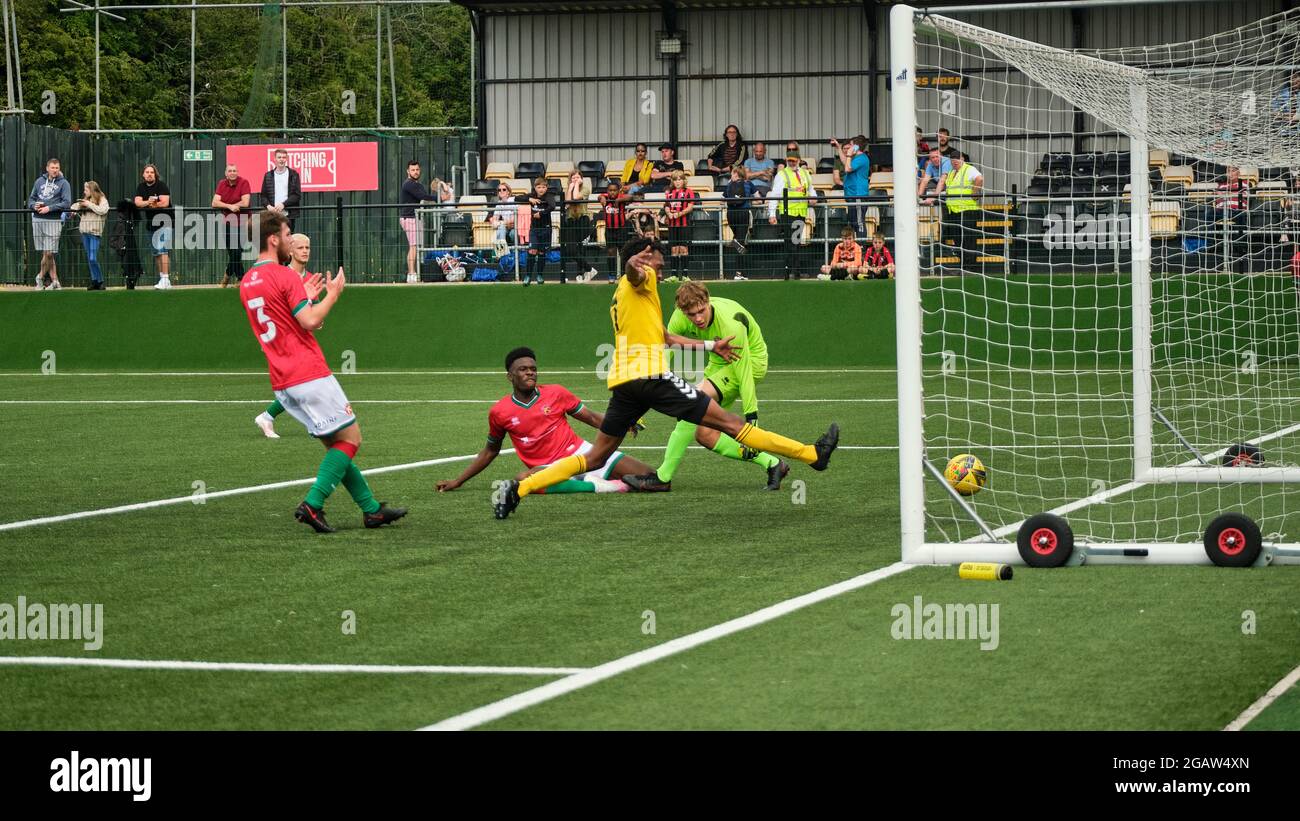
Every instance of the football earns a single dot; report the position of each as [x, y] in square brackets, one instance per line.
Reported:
[966, 474]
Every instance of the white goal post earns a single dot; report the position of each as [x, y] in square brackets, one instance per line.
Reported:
[1109, 320]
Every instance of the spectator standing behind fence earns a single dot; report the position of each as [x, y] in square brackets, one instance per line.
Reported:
[154, 198]
[937, 166]
[121, 238]
[636, 173]
[946, 147]
[679, 203]
[879, 263]
[922, 147]
[233, 196]
[93, 207]
[661, 175]
[539, 232]
[787, 206]
[412, 194]
[1286, 105]
[729, 153]
[857, 176]
[960, 189]
[503, 220]
[737, 195]
[759, 170]
[575, 227]
[282, 188]
[50, 198]
[613, 203]
[846, 260]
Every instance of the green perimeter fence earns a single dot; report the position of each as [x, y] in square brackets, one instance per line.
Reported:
[361, 233]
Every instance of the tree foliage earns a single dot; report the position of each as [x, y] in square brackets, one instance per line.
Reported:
[145, 66]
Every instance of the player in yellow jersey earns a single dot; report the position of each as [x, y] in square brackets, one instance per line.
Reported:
[639, 381]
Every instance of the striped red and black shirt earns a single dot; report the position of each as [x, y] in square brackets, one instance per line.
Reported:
[879, 259]
[677, 200]
[615, 211]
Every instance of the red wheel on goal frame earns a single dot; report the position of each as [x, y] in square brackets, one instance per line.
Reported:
[1233, 540]
[1045, 540]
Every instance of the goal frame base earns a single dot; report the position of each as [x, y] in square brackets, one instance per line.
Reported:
[1158, 553]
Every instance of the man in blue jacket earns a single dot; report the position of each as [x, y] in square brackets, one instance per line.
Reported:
[50, 198]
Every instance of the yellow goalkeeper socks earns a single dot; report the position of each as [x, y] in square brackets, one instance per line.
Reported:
[759, 439]
[565, 468]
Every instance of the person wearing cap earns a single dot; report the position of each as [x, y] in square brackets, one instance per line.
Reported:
[787, 206]
[662, 173]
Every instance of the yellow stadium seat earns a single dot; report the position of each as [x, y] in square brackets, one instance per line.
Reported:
[500, 171]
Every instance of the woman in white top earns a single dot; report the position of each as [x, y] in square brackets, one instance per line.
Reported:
[503, 219]
[93, 206]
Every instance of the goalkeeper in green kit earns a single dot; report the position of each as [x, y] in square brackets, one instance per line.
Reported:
[700, 316]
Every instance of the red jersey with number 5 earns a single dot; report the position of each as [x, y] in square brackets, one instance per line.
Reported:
[272, 295]
[539, 428]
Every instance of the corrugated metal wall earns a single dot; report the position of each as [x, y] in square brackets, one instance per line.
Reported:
[556, 99]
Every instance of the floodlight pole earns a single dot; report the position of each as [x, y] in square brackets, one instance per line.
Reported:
[284, 65]
[9, 69]
[379, 87]
[193, 33]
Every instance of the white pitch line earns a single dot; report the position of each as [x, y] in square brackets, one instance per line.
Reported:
[554, 689]
[221, 494]
[265, 667]
[590, 372]
[1288, 681]
[262, 401]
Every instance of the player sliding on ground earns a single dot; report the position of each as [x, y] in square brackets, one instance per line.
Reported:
[701, 316]
[535, 418]
[639, 380]
[283, 311]
[300, 255]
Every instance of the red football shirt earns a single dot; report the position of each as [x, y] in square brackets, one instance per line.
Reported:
[272, 295]
[1295, 267]
[539, 428]
[232, 194]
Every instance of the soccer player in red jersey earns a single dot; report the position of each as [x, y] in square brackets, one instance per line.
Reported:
[283, 311]
[300, 254]
[535, 418]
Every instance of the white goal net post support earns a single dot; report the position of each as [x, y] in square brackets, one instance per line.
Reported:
[1143, 490]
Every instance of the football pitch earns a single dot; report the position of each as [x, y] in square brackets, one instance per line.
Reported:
[718, 605]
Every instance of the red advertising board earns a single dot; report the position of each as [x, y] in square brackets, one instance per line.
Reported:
[321, 166]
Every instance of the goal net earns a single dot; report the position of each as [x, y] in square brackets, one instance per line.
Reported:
[1098, 300]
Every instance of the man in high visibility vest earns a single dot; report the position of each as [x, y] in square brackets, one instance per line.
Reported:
[787, 206]
[960, 189]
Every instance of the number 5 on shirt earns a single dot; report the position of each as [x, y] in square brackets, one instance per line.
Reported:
[259, 303]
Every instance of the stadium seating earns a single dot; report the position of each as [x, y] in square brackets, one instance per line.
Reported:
[1158, 158]
[1165, 217]
[500, 171]
[823, 182]
[559, 169]
[485, 187]
[530, 170]
[700, 184]
[826, 165]
[614, 169]
[701, 166]
[476, 205]
[1201, 191]
[592, 168]
[883, 180]
[1178, 175]
[1271, 190]
[519, 186]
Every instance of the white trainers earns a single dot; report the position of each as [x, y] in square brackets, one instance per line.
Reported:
[592, 273]
[164, 283]
[55, 286]
[823, 276]
[40, 286]
[264, 421]
[739, 277]
[412, 279]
